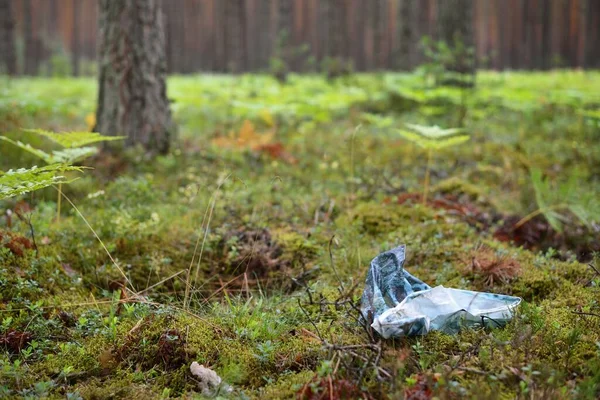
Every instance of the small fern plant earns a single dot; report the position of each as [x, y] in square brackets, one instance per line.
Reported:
[23, 180]
[75, 147]
[432, 138]
[559, 202]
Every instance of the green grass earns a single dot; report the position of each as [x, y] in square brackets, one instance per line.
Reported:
[322, 209]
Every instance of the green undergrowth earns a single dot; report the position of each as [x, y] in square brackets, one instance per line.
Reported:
[273, 243]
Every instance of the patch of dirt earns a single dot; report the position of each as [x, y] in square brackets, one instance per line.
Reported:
[491, 267]
[329, 388]
[107, 165]
[145, 348]
[454, 205]
[17, 244]
[536, 234]
[248, 254]
[14, 341]
[421, 390]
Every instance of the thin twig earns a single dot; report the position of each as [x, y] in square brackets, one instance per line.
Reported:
[586, 313]
[332, 263]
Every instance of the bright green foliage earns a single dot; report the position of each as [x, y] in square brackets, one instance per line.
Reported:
[280, 219]
[559, 200]
[71, 141]
[65, 156]
[21, 181]
[433, 137]
[74, 139]
[62, 159]
[378, 120]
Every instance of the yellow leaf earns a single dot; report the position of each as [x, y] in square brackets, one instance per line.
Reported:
[267, 117]
[247, 138]
[90, 120]
[247, 133]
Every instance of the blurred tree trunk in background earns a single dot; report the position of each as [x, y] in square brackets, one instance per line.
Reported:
[76, 51]
[455, 26]
[8, 57]
[235, 26]
[30, 53]
[285, 22]
[132, 98]
[404, 35]
[337, 30]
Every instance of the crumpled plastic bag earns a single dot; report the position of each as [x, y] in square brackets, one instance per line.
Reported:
[403, 305]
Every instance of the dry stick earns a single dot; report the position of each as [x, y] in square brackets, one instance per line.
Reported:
[189, 270]
[161, 282]
[212, 208]
[537, 212]
[31, 230]
[586, 313]
[427, 172]
[188, 285]
[352, 167]
[100, 240]
[58, 203]
[332, 263]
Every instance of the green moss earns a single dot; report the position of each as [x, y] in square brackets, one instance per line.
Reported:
[376, 219]
[256, 338]
[83, 357]
[115, 388]
[297, 249]
[457, 186]
[285, 387]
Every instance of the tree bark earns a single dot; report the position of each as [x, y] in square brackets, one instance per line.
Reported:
[235, 35]
[30, 50]
[455, 22]
[132, 98]
[8, 58]
[404, 35]
[76, 51]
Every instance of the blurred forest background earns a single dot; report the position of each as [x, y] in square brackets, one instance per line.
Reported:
[59, 37]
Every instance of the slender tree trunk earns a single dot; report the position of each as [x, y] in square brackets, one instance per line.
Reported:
[404, 35]
[30, 51]
[132, 98]
[75, 51]
[8, 58]
[235, 35]
[455, 22]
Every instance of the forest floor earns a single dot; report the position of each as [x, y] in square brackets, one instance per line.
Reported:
[246, 248]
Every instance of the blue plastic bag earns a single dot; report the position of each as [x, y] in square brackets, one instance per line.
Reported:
[400, 304]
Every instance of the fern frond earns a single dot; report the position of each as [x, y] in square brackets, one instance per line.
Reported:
[30, 149]
[74, 139]
[72, 155]
[562, 201]
[65, 156]
[540, 187]
[435, 144]
[433, 132]
[377, 120]
[20, 181]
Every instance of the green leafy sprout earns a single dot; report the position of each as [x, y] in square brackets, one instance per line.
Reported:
[75, 148]
[557, 201]
[21, 181]
[432, 138]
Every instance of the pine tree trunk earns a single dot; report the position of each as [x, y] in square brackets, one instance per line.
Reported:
[404, 35]
[30, 51]
[235, 35]
[76, 51]
[455, 23]
[8, 59]
[132, 98]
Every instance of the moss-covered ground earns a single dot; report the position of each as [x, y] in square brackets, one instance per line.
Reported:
[246, 248]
